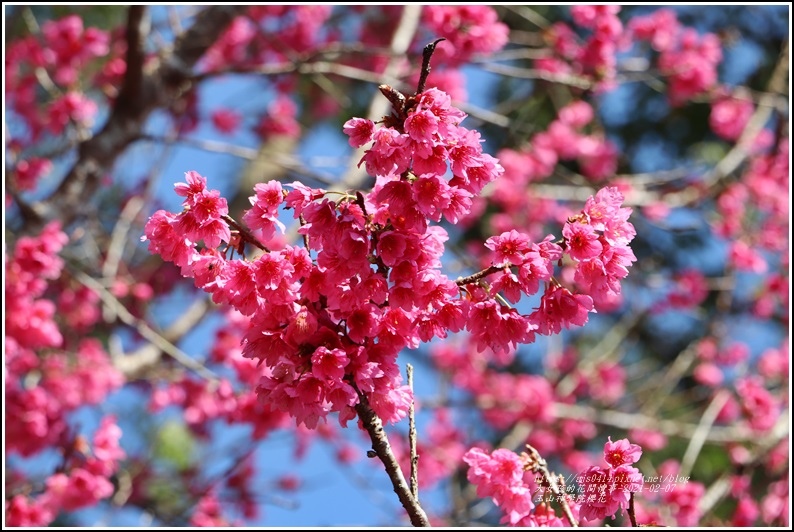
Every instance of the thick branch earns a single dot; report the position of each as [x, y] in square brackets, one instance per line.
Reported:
[137, 30]
[143, 93]
[380, 444]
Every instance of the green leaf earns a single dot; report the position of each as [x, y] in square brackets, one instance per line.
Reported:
[175, 444]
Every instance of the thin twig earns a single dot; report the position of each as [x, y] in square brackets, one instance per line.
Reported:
[42, 76]
[722, 486]
[485, 115]
[379, 106]
[537, 464]
[136, 362]
[532, 73]
[244, 232]
[632, 516]
[409, 369]
[144, 329]
[473, 278]
[702, 431]
[664, 386]
[530, 15]
[118, 239]
[288, 162]
[602, 352]
[626, 421]
[209, 145]
[427, 54]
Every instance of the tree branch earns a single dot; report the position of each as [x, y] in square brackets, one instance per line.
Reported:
[129, 98]
[409, 369]
[473, 278]
[142, 94]
[537, 464]
[699, 437]
[143, 328]
[380, 444]
[379, 106]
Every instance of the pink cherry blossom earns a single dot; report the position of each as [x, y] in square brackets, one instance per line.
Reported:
[509, 247]
[226, 120]
[621, 452]
[582, 241]
[359, 130]
[560, 308]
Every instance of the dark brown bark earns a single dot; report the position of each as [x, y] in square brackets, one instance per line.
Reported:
[143, 90]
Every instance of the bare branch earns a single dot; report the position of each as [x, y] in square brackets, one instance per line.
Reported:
[409, 369]
[537, 464]
[118, 239]
[721, 487]
[380, 445]
[427, 55]
[531, 73]
[632, 515]
[149, 355]
[486, 115]
[143, 328]
[244, 232]
[669, 427]
[666, 384]
[473, 278]
[703, 428]
[530, 15]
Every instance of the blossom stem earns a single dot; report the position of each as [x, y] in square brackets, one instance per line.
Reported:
[380, 445]
[427, 53]
[305, 236]
[473, 278]
[537, 464]
[244, 232]
[632, 517]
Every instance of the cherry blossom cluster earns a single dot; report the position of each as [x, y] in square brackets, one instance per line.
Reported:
[49, 376]
[469, 30]
[563, 140]
[595, 57]
[607, 490]
[688, 59]
[729, 116]
[328, 329]
[62, 51]
[502, 475]
[598, 240]
[250, 41]
[505, 477]
[753, 401]
[54, 63]
[82, 481]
